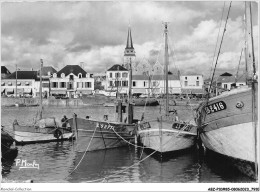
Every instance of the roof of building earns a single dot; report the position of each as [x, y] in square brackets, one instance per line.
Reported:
[23, 75]
[226, 74]
[47, 69]
[117, 67]
[75, 69]
[154, 77]
[230, 79]
[129, 43]
[4, 70]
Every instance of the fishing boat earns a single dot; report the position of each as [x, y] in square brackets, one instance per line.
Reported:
[43, 129]
[228, 122]
[8, 149]
[94, 134]
[164, 134]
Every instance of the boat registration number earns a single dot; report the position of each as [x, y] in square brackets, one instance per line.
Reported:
[215, 107]
[105, 126]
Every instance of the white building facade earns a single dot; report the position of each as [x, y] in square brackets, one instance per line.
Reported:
[71, 81]
[117, 79]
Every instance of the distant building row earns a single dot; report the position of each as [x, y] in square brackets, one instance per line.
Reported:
[71, 81]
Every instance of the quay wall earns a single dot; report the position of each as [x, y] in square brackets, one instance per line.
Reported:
[45, 102]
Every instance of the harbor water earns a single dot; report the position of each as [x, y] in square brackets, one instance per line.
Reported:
[57, 160]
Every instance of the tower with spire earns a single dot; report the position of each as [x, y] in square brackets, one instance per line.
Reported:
[129, 54]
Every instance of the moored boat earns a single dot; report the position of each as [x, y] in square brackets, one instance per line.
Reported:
[165, 134]
[94, 135]
[228, 122]
[43, 129]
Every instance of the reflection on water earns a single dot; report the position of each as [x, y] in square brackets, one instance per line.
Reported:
[58, 160]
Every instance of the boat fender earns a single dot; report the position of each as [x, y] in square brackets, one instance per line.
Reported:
[57, 133]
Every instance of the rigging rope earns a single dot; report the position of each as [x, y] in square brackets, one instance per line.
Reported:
[219, 48]
[83, 154]
[217, 38]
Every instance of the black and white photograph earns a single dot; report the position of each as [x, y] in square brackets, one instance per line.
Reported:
[129, 95]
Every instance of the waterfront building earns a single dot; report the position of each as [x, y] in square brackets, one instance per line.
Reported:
[192, 84]
[226, 80]
[47, 72]
[19, 83]
[117, 79]
[155, 84]
[71, 81]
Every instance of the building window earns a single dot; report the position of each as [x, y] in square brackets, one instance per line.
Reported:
[118, 75]
[185, 78]
[45, 85]
[144, 83]
[225, 86]
[197, 78]
[134, 83]
[186, 83]
[71, 77]
[62, 85]
[111, 83]
[110, 75]
[88, 84]
[117, 83]
[124, 75]
[27, 83]
[80, 75]
[62, 75]
[54, 84]
[124, 83]
[197, 83]
[54, 75]
[3, 83]
[9, 83]
[18, 83]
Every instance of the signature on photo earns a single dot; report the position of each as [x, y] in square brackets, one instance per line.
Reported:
[23, 164]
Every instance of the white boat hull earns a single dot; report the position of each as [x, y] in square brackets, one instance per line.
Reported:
[171, 140]
[235, 141]
[29, 137]
[167, 139]
[227, 127]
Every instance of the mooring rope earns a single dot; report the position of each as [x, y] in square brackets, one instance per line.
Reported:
[84, 153]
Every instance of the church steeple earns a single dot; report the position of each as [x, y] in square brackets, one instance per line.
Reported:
[129, 54]
[129, 44]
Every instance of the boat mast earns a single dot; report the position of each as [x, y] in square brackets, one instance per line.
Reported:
[16, 80]
[130, 106]
[166, 60]
[245, 49]
[41, 88]
[251, 56]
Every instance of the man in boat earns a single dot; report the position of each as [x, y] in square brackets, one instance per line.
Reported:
[64, 121]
